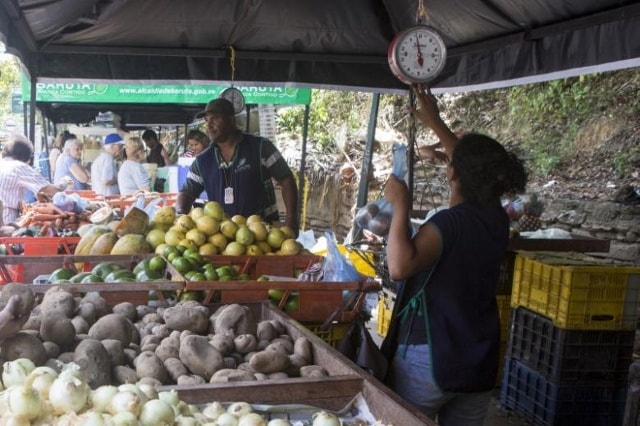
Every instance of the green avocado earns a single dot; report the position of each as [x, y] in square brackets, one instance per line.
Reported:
[77, 278]
[91, 278]
[103, 269]
[120, 275]
[61, 274]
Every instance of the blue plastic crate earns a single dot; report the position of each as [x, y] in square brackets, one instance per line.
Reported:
[541, 402]
[566, 356]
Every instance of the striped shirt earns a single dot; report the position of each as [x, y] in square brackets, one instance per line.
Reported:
[15, 177]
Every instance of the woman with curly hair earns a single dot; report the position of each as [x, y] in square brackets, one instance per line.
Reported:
[444, 338]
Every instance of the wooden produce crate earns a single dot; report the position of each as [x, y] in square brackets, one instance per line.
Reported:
[113, 293]
[280, 266]
[329, 393]
[317, 300]
[32, 246]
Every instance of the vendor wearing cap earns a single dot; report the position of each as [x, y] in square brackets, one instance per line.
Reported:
[104, 170]
[237, 171]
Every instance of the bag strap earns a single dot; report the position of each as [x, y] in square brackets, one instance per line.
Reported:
[417, 305]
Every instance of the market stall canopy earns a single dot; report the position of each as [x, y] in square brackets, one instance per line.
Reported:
[316, 43]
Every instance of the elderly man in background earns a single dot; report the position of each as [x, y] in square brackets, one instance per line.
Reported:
[16, 176]
[104, 170]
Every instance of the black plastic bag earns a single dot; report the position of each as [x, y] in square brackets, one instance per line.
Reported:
[359, 347]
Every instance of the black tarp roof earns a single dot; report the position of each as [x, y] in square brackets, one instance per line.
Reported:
[316, 43]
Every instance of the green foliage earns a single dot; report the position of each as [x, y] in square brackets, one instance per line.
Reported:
[9, 80]
[544, 119]
[331, 113]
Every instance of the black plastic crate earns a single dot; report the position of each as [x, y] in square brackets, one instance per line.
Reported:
[505, 279]
[563, 355]
[541, 402]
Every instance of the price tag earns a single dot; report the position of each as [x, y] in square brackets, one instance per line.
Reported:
[228, 195]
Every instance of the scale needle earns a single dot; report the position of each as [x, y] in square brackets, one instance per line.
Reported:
[420, 59]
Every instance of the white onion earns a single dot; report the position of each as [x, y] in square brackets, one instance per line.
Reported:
[68, 394]
[43, 378]
[92, 418]
[148, 390]
[186, 421]
[101, 397]
[24, 400]
[14, 420]
[125, 418]
[239, 409]
[227, 419]
[134, 388]
[213, 410]
[15, 372]
[156, 412]
[171, 397]
[71, 369]
[252, 419]
[322, 418]
[125, 401]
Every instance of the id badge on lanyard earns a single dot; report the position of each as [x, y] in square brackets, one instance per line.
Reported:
[228, 195]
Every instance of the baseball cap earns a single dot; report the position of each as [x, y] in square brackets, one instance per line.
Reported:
[112, 138]
[217, 106]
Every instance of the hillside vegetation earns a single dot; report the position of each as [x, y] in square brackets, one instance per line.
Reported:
[579, 136]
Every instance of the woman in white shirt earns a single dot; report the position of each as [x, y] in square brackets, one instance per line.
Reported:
[132, 177]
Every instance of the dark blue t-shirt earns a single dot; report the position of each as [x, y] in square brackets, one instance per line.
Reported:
[463, 319]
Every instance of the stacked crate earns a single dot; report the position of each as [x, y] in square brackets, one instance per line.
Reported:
[571, 340]
[503, 298]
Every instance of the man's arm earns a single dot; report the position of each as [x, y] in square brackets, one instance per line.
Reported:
[184, 201]
[290, 198]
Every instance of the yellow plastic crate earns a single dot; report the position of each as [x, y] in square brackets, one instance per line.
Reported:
[333, 335]
[577, 295]
[385, 309]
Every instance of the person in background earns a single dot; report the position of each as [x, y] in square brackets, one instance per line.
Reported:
[104, 170]
[158, 154]
[68, 166]
[55, 149]
[237, 171]
[16, 176]
[197, 141]
[132, 177]
[444, 336]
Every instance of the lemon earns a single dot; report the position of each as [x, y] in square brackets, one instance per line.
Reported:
[239, 219]
[196, 236]
[208, 249]
[184, 223]
[259, 230]
[155, 237]
[208, 225]
[229, 228]
[196, 213]
[244, 235]
[219, 240]
[275, 237]
[234, 248]
[173, 237]
[254, 218]
[214, 209]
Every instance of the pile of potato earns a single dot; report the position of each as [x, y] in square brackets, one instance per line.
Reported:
[182, 344]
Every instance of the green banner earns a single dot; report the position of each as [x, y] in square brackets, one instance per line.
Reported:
[159, 93]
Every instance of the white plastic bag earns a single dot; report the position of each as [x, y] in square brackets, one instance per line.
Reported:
[376, 216]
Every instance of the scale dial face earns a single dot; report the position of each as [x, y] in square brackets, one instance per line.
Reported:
[417, 54]
[234, 96]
